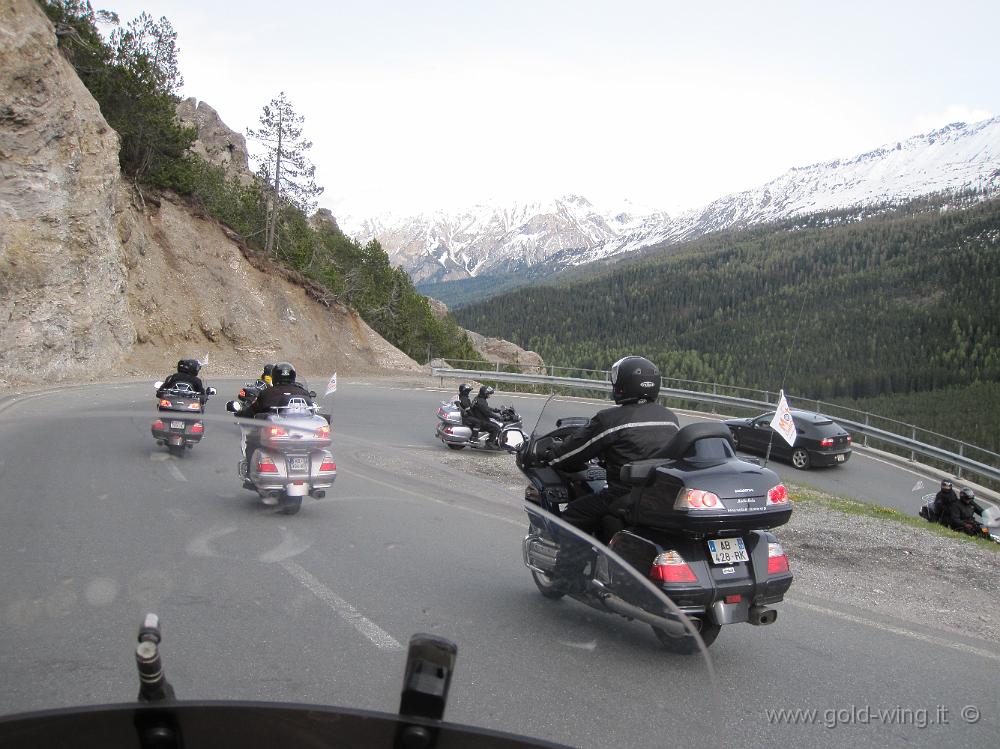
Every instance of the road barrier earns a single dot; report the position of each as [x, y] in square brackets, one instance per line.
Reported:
[959, 460]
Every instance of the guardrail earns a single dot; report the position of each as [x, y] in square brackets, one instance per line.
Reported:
[959, 461]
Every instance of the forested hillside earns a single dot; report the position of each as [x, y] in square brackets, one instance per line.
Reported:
[904, 302]
[134, 76]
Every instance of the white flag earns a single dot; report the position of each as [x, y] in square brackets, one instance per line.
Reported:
[331, 386]
[782, 422]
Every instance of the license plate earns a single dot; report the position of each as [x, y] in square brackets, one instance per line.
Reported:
[297, 464]
[840, 458]
[728, 550]
[176, 424]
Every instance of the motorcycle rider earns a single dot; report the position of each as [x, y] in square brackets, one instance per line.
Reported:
[484, 416]
[635, 429]
[187, 371]
[266, 376]
[943, 501]
[283, 387]
[464, 402]
[961, 514]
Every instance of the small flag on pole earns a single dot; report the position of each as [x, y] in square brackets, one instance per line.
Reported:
[782, 422]
[331, 386]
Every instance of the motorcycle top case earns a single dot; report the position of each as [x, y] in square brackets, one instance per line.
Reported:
[731, 496]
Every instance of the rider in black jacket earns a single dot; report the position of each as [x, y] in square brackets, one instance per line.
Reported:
[283, 388]
[943, 500]
[961, 513]
[187, 371]
[636, 429]
[486, 418]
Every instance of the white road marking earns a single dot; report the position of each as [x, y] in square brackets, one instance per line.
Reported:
[379, 637]
[290, 546]
[428, 498]
[931, 639]
[176, 472]
[591, 645]
[199, 547]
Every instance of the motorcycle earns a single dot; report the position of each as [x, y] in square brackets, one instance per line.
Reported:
[249, 392]
[698, 529]
[286, 455]
[985, 525]
[456, 434]
[180, 426]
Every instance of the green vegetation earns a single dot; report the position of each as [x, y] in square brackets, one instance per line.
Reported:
[134, 78]
[906, 302]
[809, 496]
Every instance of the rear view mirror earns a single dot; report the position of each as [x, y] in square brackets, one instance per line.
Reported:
[513, 440]
[233, 407]
[312, 393]
[158, 384]
[211, 391]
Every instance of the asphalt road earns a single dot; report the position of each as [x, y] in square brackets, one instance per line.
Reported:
[99, 525]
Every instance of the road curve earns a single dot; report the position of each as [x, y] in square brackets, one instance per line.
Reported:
[98, 525]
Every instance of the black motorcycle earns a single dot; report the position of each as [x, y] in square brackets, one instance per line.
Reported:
[698, 529]
[179, 424]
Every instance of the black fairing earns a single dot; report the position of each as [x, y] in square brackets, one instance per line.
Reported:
[234, 725]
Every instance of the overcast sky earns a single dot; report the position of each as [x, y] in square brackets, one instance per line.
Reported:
[418, 105]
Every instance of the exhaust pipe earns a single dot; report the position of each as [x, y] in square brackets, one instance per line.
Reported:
[761, 615]
[317, 493]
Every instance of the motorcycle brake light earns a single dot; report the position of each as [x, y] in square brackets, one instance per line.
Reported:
[448, 430]
[164, 403]
[266, 465]
[670, 567]
[195, 406]
[276, 431]
[197, 428]
[322, 432]
[734, 598]
[777, 495]
[697, 499]
[328, 466]
[243, 393]
[777, 561]
[158, 425]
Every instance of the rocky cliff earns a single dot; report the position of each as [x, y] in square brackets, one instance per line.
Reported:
[62, 276]
[94, 281]
[217, 143]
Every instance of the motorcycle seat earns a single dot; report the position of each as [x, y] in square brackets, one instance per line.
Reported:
[641, 472]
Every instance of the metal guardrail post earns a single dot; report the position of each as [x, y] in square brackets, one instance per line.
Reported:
[913, 436]
[958, 468]
[867, 423]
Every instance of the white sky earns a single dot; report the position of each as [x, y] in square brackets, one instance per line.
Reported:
[421, 105]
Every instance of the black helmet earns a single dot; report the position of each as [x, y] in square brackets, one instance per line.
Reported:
[967, 495]
[464, 389]
[189, 366]
[945, 485]
[283, 373]
[634, 379]
[486, 391]
[268, 369]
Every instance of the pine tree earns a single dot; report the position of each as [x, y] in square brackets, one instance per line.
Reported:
[284, 165]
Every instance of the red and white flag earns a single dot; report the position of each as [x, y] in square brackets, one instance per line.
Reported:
[331, 386]
[782, 422]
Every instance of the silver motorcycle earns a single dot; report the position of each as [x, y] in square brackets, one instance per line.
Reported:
[286, 455]
[456, 434]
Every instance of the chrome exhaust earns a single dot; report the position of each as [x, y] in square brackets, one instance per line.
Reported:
[761, 615]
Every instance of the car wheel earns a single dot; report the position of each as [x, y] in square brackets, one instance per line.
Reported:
[686, 644]
[736, 439]
[800, 458]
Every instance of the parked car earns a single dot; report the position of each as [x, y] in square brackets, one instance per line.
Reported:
[820, 441]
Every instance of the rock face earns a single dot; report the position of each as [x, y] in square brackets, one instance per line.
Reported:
[495, 350]
[95, 282]
[216, 143]
[62, 279]
[193, 293]
[324, 217]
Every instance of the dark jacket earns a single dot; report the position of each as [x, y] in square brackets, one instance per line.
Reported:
[960, 513]
[277, 395]
[943, 500]
[481, 410]
[192, 380]
[619, 435]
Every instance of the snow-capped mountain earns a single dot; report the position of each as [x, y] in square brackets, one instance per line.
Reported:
[571, 231]
[485, 239]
